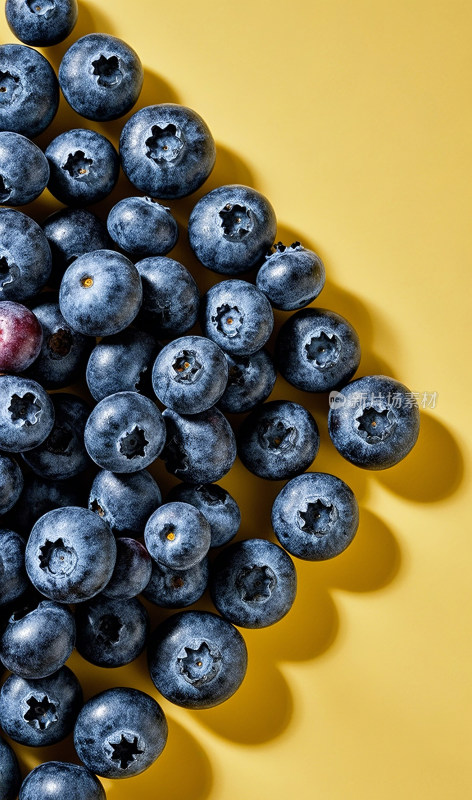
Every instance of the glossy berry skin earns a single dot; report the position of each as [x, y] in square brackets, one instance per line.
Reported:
[62, 455]
[25, 256]
[10, 778]
[39, 496]
[216, 504]
[100, 293]
[177, 535]
[55, 780]
[71, 232]
[70, 554]
[317, 350]
[237, 317]
[196, 659]
[278, 440]
[111, 633]
[11, 483]
[177, 588]
[374, 422]
[200, 448]
[84, 167]
[29, 90]
[132, 571]
[63, 351]
[24, 170]
[291, 277]
[253, 583]
[250, 382]
[122, 363]
[190, 374]
[101, 77]
[315, 516]
[38, 641]
[40, 712]
[142, 227]
[124, 501]
[120, 733]
[170, 297]
[125, 432]
[13, 578]
[231, 228]
[167, 150]
[21, 337]
[41, 23]
[26, 414]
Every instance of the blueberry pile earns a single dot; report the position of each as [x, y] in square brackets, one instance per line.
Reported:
[85, 530]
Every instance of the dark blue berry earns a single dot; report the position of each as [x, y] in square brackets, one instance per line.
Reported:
[25, 256]
[291, 277]
[170, 297]
[124, 501]
[41, 23]
[29, 91]
[11, 483]
[13, 579]
[10, 778]
[24, 169]
[26, 414]
[278, 440]
[111, 633]
[217, 506]
[84, 167]
[142, 227]
[39, 496]
[374, 422]
[250, 382]
[120, 733]
[71, 232]
[200, 448]
[55, 780]
[197, 659]
[315, 516]
[122, 363]
[253, 583]
[125, 432]
[237, 317]
[101, 77]
[167, 150]
[177, 535]
[132, 571]
[177, 588]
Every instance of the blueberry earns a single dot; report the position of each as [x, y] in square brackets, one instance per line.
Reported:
[101, 77]
[39, 496]
[374, 422]
[40, 712]
[71, 232]
[62, 455]
[132, 571]
[125, 432]
[237, 317]
[170, 296]
[21, 337]
[9, 772]
[190, 374]
[200, 448]
[11, 483]
[167, 150]
[217, 506]
[111, 633]
[41, 22]
[250, 382]
[24, 169]
[84, 167]
[177, 535]
[25, 256]
[100, 293]
[315, 516]
[253, 583]
[278, 440]
[122, 363]
[70, 554]
[29, 91]
[26, 414]
[142, 227]
[291, 277]
[63, 350]
[125, 501]
[317, 350]
[13, 578]
[120, 733]
[177, 588]
[38, 641]
[231, 228]
[55, 780]
[197, 659]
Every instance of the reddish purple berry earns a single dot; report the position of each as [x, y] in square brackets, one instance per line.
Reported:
[21, 337]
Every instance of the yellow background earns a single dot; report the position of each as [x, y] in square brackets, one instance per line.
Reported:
[354, 118]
